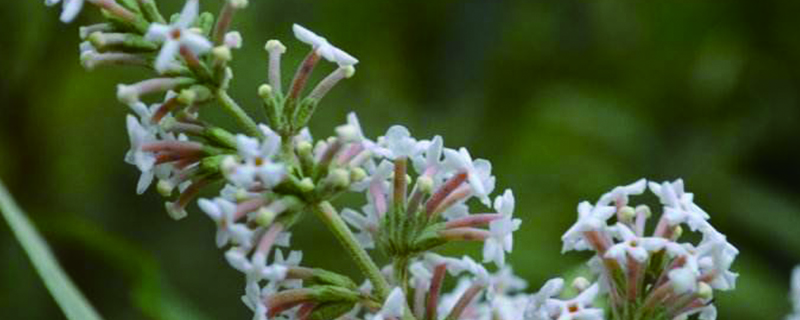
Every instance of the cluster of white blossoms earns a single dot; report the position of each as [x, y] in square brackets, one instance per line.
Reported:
[795, 295]
[657, 275]
[419, 193]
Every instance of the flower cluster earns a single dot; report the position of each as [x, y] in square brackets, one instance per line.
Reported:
[795, 295]
[419, 194]
[658, 275]
[274, 173]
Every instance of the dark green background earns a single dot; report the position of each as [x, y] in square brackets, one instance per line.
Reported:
[566, 98]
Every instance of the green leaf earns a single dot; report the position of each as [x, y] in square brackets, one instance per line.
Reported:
[150, 290]
[69, 298]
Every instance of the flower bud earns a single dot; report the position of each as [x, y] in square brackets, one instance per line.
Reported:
[339, 178]
[677, 232]
[238, 4]
[349, 71]
[306, 185]
[425, 184]
[127, 94]
[165, 187]
[644, 209]
[175, 211]
[347, 133]
[265, 217]
[704, 291]
[580, 284]
[275, 45]
[304, 147]
[187, 97]
[233, 40]
[222, 53]
[627, 213]
[357, 174]
[265, 91]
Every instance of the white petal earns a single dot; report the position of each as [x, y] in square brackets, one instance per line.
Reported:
[144, 182]
[343, 58]
[71, 10]
[166, 56]
[157, 32]
[196, 43]
[188, 14]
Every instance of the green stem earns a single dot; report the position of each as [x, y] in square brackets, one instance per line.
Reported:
[237, 112]
[334, 222]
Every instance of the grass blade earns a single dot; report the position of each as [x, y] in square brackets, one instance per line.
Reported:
[67, 296]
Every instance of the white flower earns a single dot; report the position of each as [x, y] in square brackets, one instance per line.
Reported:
[233, 40]
[256, 268]
[638, 248]
[501, 231]
[619, 195]
[222, 212]
[479, 172]
[719, 254]
[795, 295]
[590, 218]
[683, 280]
[70, 9]
[145, 161]
[292, 260]
[679, 205]
[366, 224]
[254, 300]
[397, 143]
[457, 210]
[503, 282]
[538, 309]
[466, 264]
[579, 308]
[178, 35]
[354, 131]
[393, 307]
[431, 163]
[322, 47]
[256, 165]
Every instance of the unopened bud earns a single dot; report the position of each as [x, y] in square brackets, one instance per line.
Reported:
[127, 94]
[222, 53]
[704, 291]
[175, 211]
[238, 4]
[187, 97]
[349, 71]
[580, 284]
[88, 60]
[233, 40]
[165, 187]
[677, 232]
[644, 209]
[306, 185]
[275, 46]
[627, 213]
[265, 217]
[339, 178]
[357, 174]
[425, 184]
[347, 133]
[228, 165]
[265, 91]
[304, 147]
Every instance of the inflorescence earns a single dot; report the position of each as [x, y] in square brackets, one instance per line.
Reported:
[418, 193]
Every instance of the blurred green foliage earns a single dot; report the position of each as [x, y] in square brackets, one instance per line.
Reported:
[567, 98]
